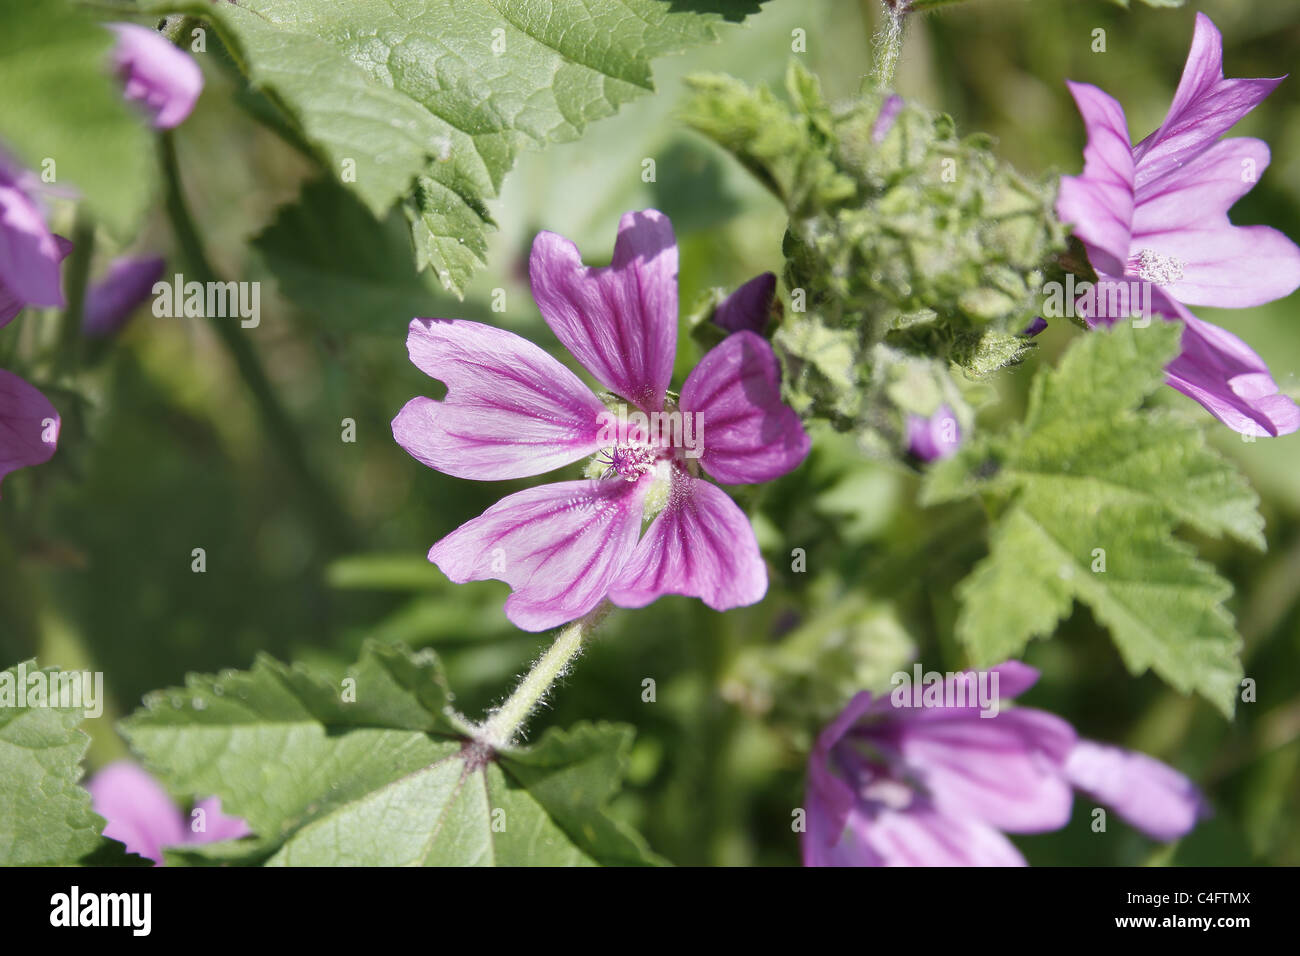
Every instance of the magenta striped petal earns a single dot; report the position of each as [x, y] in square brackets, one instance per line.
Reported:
[558, 546]
[511, 409]
[1204, 188]
[750, 435]
[29, 425]
[1204, 107]
[924, 836]
[701, 545]
[1230, 266]
[1099, 203]
[619, 321]
[1226, 376]
[1153, 797]
[1004, 770]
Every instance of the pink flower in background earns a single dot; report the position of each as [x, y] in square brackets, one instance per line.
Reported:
[938, 436]
[162, 78]
[884, 122]
[749, 307]
[29, 425]
[512, 410]
[1157, 213]
[125, 285]
[141, 814]
[939, 785]
[30, 255]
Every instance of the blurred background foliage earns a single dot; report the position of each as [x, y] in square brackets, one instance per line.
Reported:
[163, 452]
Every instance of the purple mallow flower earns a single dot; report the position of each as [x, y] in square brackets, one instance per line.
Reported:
[157, 74]
[30, 255]
[141, 814]
[892, 784]
[29, 425]
[1157, 213]
[512, 410]
[126, 284]
[749, 307]
[938, 436]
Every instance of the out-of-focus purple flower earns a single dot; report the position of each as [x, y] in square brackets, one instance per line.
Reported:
[30, 254]
[749, 307]
[940, 784]
[1036, 327]
[111, 300]
[141, 815]
[29, 425]
[938, 436]
[1157, 213]
[157, 74]
[512, 410]
[889, 111]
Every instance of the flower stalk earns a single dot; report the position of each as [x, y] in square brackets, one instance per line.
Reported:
[889, 42]
[507, 721]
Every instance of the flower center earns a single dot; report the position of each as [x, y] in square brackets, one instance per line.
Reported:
[893, 794]
[1156, 267]
[633, 459]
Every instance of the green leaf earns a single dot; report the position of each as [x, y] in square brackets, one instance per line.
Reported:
[337, 262]
[61, 102]
[1089, 490]
[389, 778]
[45, 818]
[428, 102]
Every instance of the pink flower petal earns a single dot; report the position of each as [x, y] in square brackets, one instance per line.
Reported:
[620, 321]
[558, 546]
[29, 425]
[936, 437]
[833, 797]
[1012, 678]
[1225, 375]
[511, 409]
[29, 254]
[925, 836]
[826, 840]
[749, 307]
[1100, 202]
[1150, 795]
[1230, 266]
[1004, 770]
[138, 810]
[749, 435]
[125, 286]
[701, 545]
[161, 77]
[217, 825]
[1201, 191]
[1204, 107]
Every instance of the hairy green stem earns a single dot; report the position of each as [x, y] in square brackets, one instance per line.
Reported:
[326, 512]
[889, 42]
[503, 727]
